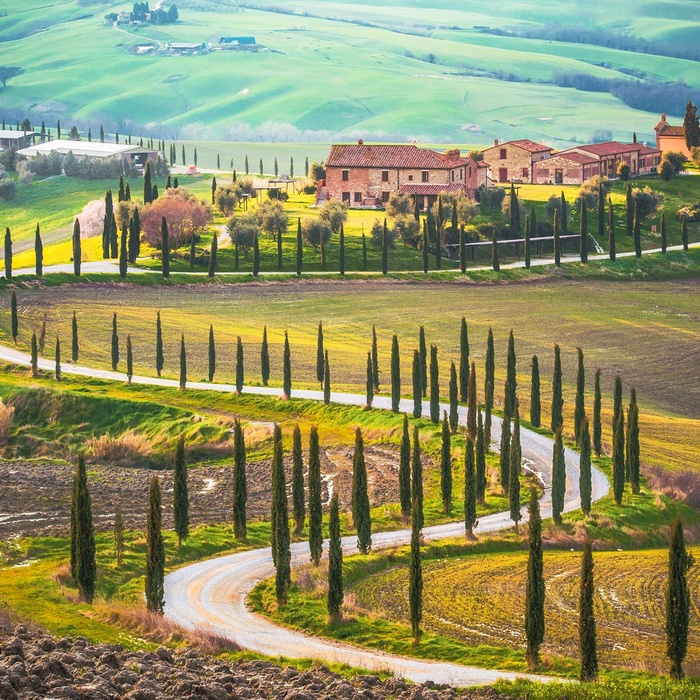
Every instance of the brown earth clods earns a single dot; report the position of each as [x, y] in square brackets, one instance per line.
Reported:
[36, 666]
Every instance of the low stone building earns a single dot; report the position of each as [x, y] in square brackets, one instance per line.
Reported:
[605, 158]
[367, 174]
[671, 138]
[565, 169]
[513, 161]
[134, 155]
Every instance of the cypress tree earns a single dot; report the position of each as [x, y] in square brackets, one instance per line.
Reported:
[601, 211]
[617, 400]
[583, 231]
[319, 353]
[120, 191]
[315, 505]
[77, 254]
[42, 335]
[236, 256]
[489, 371]
[246, 167]
[240, 483]
[212, 255]
[470, 489]
[370, 381]
[341, 251]
[127, 192]
[558, 476]
[504, 456]
[300, 250]
[286, 369]
[462, 250]
[585, 468]
[360, 497]
[8, 254]
[239, 366]
[34, 362]
[632, 466]
[480, 462]
[385, 250]
[155, 556]
[417, 386]
[323, 253]
[405, 471]
[663, 233]
[494, 253]
[38, 252]
[464, 362]
[326, 380]
[261, 167]
[375, 360]
[597, 421]
[535, 587]
[85, 568]
[102, 134]
[280, 523]
[415, 589]
[586, 620]
[113, 240]
[619, 457]
[134, 236]
[160, 360]
[473, 407]
[184, 160]
[364, 252]
[147, 188]
[557, 239]
[535, 404]
[181, 499]
[424, 248]
[434, 386]
[629, 211]
[165, 248]
[123, 259]
[298, 499]
[58, 359]
[265, 358]
[515, 466]
[446, 468]
[213, 188]
[115, 344]
[279, 249]
[637, 233]
[533, 221]
[395, 375]
[423, 350]
[454, 417]
[677, 600]
[580, 409]
[74, 528]
[118, 535]
[256, 254]
[417, 477]
[291, 166]
[129, 360]
[557, 398]
[684, 232]
[212, 354]
[511, 382]
[611, 232]
[335, 564]
[14, 316]
[183, 364]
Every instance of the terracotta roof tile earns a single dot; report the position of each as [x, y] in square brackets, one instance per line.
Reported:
[389, 156]
[609, 148]
[428, 189]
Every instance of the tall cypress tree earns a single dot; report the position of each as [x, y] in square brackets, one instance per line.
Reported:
[629, 211]
[42, 335]
[417, 386]
[8, 254]
[535, 587]
[514, 476]
[619, 457]
[286, 368]
[160, 361]
[611, 232]
[39, 252]
[583, 231]
[265, 358]
[147, 187]
[405, 471]
[526, 244]
[129, 360]
[240, 368]
[281, 552]
[489, 372]
[155, 555]
[34, 355]
[601, 211]
[181, 499]
[558, 476]
[684, 233]
[183, 364]
[300, 249]
[446, 468]
[495, 261]
[424, 247]
[471, 488]
[434, 386]
[240, 483]
[115, 344]
[58, 359]
[580, 408]
[341, 251]
[511, 382]
[113, 240]
[385, 250]
[415, 589]
[213, 187]
[369, 385]
[535, 403]
[395, 375]
[74, 527]
[464, 362]
[664, 240]
[632, 465]
[120, 191]
[617, 400]
[123, 257]
[423, 350]
[557, 239]
[462, 249]
[85, 570]
[677, 600]
[585, 468]
[360, 497]
[165, 248]
[375, 359]
[454, 417]
[417, 476]
[212, 255]
[14, 318]
[480, 462]
[256, 255]
[212, 354]
[597, 420]
[637, 233]
[335, 564]
[326, 379]
[298, 499]
[315, 504]
[472, 407]
[586, 621]
[504, 456]
[77, 254]
[319, 353]
[557, 397]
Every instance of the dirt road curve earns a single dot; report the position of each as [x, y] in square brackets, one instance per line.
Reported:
[212, 594]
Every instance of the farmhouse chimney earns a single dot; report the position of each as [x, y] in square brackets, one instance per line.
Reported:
[663, 117]
[495, 142]
[360, 142]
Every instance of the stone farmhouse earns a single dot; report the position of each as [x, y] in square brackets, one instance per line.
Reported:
[365, 175]
[671, 138]
[513, 161]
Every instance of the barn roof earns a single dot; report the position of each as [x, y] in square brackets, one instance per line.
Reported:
[361, 155]
[663, 128]
[92, 149]
[15, 134]
[525, 144]
[423, 188]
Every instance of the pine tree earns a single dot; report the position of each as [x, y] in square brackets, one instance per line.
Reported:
[120, 191]
[504, 456]
[632, 463]
[417, 477]
[77, 254]
[360, 497]
[464, 362]
[123, 259]
[395, 375]
[558, 476]
[583, 230]
[489, 372]
[239, 366]
[326, 380]
[129, 360]
[58, 359]
[39, 252]
[265, 359]
[298, 498]
[74, 528]
[597, 420]
[375, 359]
[535, 587]
[102, 134]
[181, 499]
[212, 255]
[446, 468]
[415, 590]
[135, 236]
[586, 620]
[515, 466]
[434, 386]
[369, 384]
[405, 471]
[286, 369]
[611, 232]
[423, 350]
[212, 354]
[319, 353]
[417, 381]
[184, 159]
[684, 232]
[240, 483]
[8, 253]
[480, 462]
[118, 535]
[511, 382]
[291, 166]
[115, 344]
[281, 552]
[34, 357]
[315, 504]
[473, 405]
[165, 248]
[85, 568]
[113, 240]
[677, 600]
[14, 316]
[42, 335]
[494, 253]
[557, 397]
[155, 556]
[300, 250]
[585, 468]
[183, 364]
[580, 409]
[335, 564]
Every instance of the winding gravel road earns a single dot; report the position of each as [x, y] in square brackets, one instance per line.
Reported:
[212, 594]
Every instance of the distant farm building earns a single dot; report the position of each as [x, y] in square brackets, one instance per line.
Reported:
[17, 139]
[238, 42]
[363, 175]
[671, 138]
[513, 161]
[134, 155]
[185, 49]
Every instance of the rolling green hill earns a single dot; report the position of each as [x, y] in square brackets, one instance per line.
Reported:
[401, 70]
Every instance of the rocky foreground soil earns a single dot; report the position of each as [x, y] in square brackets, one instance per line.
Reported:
[36, 666]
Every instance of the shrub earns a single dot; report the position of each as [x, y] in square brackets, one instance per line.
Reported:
[334, 214]
[399, 205]
[312, 230]
[648, 202]
[589, 190]
[309, 189]
[8, 189]
[376, 235]
[185, 214]
[676, 159]
[623, 171]
[407, 228]
[690, 211]
[316, 171]
[272, 217]
[490, 198]
[554, 204]
[225, 199]
[243, 228]
[46, 166]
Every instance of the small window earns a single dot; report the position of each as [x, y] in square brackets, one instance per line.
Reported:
[410, 178]
[346, 197]
[385, 176]
[346, 175]
[504, 153]
[470, 172]
[559, 177]
[358, 197]
[424, 176]
[526, 172]
[453, 175]
[385, 196]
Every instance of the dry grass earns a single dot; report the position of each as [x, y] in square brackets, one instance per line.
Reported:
[7, 415]
[682, 486]
[126, 447]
